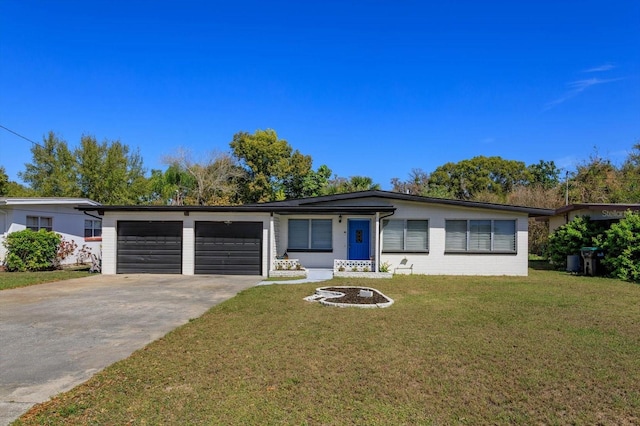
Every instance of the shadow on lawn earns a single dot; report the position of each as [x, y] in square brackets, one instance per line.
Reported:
[541, 265]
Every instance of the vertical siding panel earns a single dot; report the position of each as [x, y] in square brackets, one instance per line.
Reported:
[188, 246]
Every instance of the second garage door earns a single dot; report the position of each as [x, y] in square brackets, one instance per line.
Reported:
[228, 248]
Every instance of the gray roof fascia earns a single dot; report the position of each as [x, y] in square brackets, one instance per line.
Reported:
[50, 201]
[282, 209]
[531, 211]
[315, 205]
[580, 206]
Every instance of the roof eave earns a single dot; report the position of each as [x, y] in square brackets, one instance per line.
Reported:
[246, 209]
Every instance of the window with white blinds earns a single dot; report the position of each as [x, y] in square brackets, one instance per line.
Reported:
[310, 235]
[480, 236]
[399, 235]
[455, 235]
[504, 235]
[298, 234]
[321, 234]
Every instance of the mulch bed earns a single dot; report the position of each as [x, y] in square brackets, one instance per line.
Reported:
[352, 295]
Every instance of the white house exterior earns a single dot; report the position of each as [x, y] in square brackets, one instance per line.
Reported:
[405, 233]
[53, 214]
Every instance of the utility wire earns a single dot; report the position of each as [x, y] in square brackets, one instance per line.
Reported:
[20, 136]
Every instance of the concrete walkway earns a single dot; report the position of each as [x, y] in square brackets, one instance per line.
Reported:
[313, 276]
[55, 336]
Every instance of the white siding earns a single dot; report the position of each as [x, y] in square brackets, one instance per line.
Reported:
[66, 221]
[188, 246]
[317, 259]
[109, 239]
[436, 262]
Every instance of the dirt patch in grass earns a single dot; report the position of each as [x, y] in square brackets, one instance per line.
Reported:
[352, 296]
[545, 349]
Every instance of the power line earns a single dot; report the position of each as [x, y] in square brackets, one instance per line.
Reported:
[20, 136]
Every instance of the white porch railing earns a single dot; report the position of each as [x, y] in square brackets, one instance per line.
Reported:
[340, 265]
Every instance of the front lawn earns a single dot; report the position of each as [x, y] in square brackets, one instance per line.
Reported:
[21, 279]
[550, 348]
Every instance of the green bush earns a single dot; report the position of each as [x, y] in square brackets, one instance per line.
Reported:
[621, 245]
[569, 238]
[31, 251]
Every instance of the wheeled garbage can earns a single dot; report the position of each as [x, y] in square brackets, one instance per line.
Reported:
[591, 256]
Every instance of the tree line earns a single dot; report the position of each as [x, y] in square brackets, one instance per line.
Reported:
[261, 167]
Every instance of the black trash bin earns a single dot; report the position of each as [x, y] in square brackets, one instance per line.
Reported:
[591, 257]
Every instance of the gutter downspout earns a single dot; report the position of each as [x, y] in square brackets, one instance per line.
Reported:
[95, 217]
[376, 259]
[271, 255]
[6, 215]
[378, 247]
[4, 230]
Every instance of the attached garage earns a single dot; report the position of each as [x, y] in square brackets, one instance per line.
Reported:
[228, 248]
[151, 247]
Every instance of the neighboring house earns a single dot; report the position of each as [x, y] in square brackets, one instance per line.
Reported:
[411, 234]
[53, 214]
[605, 212]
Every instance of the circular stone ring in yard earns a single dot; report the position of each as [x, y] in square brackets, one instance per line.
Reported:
[345, 296]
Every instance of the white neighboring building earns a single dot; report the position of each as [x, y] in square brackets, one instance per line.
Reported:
[369, 229]
[56, 214]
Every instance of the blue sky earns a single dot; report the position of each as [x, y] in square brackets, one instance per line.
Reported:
[368, 87]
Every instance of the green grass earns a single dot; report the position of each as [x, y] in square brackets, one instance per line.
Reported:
[299, 277]
[22, 279]
[550, 348]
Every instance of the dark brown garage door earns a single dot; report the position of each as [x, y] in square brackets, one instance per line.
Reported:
[149, 247]
[229, 248]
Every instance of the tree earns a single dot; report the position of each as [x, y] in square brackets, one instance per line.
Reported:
[274, 171]
[545, 174]
[212, 181]
[417, 184]
[315, 182]
[536, 196]
[9, 188]
[630, 176]
[4, 182]
[340, 185]
[596, 181]
[106, 172]
[468, 178]
[109, 172]
[53, 171]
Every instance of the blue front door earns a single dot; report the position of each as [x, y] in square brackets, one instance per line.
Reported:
[358, 239]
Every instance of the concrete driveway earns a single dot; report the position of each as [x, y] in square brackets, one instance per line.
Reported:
[55, 336]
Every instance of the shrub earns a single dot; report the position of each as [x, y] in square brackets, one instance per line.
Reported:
[65, 249]
[569, 238]
[621, 245]
[84, 255]
[31, 251]
[384, 267]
